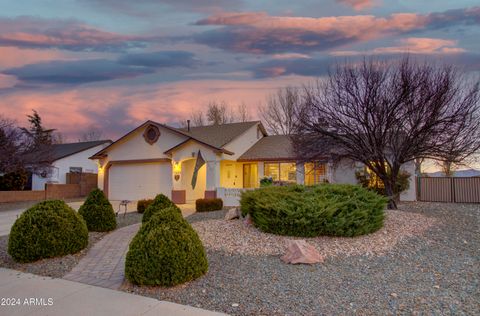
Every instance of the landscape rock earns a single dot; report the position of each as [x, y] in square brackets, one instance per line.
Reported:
[299, 251]
[232, 213]
[248, 220]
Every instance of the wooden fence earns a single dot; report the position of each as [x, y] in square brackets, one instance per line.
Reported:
[449, 189]
[87, 181]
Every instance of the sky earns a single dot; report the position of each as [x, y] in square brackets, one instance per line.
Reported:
[113, 64]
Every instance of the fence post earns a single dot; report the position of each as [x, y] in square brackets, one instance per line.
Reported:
[452, 187]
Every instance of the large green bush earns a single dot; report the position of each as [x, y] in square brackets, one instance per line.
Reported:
[47, 229]
[166, 251]
[160, 202]
[98, 212]
[308, 211]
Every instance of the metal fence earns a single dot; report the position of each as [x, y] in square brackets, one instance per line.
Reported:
[449, 189]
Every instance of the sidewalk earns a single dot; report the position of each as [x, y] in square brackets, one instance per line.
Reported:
[62, 297]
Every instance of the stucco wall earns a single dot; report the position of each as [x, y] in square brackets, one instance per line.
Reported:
[243, 142]
[188, 167]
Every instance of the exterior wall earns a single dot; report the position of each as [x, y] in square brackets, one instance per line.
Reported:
[19, 196]
[52, 191]
[185, 180]
[62, 166]
[411, 193]
[135, 147]
[231, 174]
[344, 172]
[242, 143]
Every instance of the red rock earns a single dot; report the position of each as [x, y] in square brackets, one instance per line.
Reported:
[299, 251]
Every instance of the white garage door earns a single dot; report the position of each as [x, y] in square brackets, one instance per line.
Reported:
[139, 181]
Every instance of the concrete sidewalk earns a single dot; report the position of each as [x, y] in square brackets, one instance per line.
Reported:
[38, 295]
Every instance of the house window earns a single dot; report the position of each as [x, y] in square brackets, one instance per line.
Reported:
[281, 171]
[315, 173]
[75, 169]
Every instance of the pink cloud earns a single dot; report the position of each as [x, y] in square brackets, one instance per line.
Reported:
[30, 32]
[258, 32]
[359, 4]
[117, 109]
[413, 45]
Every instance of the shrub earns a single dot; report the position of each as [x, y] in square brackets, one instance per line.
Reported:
[13, 181]
[47, 229]
[266, 181]
[208, 205]
[143, 204]
[160, 202]
[308, 211]
[98, 212]
[166, 251]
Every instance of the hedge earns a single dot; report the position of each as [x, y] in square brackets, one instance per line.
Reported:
[309, 211]
[160, 202]
[143, 204]
[47, 229]
[166, 251]
[208, 205]
[98, 212]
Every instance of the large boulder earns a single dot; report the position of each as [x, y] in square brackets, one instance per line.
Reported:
[232, 213]
[299, 251]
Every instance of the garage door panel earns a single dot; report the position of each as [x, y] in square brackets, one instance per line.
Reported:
[139, 181]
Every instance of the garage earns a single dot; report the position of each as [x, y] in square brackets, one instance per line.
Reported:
[139, 181]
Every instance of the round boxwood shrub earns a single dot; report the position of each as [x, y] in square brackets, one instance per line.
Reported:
[98, 212]
[166, 251]
[309, 211]
[160, 202]
[47, 229]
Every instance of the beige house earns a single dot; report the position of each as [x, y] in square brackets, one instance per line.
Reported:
[224, 159]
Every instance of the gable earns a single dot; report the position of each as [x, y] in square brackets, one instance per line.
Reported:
[133, 146]
[245, 141]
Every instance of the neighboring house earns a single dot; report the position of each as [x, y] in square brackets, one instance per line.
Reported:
[156, 158]
[72, 157]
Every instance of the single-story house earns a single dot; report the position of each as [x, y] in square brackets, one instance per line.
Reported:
[209, 161]
[69, 158]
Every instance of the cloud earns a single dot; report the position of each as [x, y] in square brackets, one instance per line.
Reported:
[32, 32]
[260, 33]
[412, 45]
[93, 70]
[359, 5]
[152, 7]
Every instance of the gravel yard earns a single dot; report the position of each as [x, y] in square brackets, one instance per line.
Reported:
[52, 267]
[431, 264]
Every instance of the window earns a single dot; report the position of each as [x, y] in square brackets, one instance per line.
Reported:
[151, 134]
[315, 173]
[281, 171]
[75, 169]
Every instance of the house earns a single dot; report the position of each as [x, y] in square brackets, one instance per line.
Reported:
[208, 161]
[69, 158]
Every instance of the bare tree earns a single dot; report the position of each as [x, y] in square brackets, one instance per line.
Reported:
[10, 146]
[386, 114]
[91, 135]
[243, 115]
[198, 119]
[279, 113]
[219, 113]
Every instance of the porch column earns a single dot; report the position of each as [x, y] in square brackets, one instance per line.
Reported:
[260, 171]
[213, 178]
[330, 167]
[178, 193]
[300, 173]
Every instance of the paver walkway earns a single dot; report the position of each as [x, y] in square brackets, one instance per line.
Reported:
[104, 264]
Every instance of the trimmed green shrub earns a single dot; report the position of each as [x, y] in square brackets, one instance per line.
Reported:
[160, 202]
[166, 251]
[47, 229]
[143, 204]
[309, 211]
[98, 212]
[208, 205]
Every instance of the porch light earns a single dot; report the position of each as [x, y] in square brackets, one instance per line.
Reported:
[177, 167]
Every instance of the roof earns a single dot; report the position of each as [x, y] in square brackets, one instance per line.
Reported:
[60, 151]
[270, 148]
[220, 135]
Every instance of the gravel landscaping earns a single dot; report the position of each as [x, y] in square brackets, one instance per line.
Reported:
[52, 267]
[430, 264]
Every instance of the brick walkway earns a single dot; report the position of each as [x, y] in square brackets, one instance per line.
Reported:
[104, 264]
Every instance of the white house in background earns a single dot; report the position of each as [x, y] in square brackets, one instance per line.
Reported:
[156, 158]
[72, 157]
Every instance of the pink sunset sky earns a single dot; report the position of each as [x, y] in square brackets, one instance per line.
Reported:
[112, 64]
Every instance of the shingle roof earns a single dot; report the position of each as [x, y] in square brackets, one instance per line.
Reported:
[219, 135]
[275, 147]
[64, 150]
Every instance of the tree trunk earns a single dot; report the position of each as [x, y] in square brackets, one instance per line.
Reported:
[392, 199]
